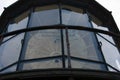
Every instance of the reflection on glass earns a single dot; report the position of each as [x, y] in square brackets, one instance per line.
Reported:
[43, 43]
[48, 15]
[10, 50]
[74, 16]
[18, 23]
[44, 64]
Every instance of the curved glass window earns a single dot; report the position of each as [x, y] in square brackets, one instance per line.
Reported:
[10, 51]
[109, 48]
[84, 45]
[81, 64]
[44, 43]
[57, 48]
[43, 16]
[19, 22]
[74, 16]
[11, 46]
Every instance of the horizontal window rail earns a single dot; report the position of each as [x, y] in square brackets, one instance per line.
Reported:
[57, 57]
[59, 27]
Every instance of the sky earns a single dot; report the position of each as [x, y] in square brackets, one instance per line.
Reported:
[111, 5]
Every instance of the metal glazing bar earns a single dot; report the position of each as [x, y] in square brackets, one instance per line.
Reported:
[19, 65]
[62, 36]
[68, 47]
[61, 27]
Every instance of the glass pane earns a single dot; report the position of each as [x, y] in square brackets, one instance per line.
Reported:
[109, 49]
[99, 27]
[7, 38]
[11, 69]
[10, 50]
[74, 16]
[18, 23]
[43, 43]
[48, 15]
[86, 65]
[83, 45]
[110, 52]
[43, 64]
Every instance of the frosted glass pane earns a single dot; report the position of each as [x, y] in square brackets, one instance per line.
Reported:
[74, 18]
[45, 17]
[10, 50]
[43, 44]
[44, 64]
[83, 45]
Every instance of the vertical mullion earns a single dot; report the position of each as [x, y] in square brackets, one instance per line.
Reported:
[68, 48]
[96, 40]
[24, 43]
[67, 42]
[62, 37]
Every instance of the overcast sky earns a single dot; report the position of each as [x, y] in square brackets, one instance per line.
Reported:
[111, 5]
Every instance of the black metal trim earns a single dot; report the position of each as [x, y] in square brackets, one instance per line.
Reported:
[68, 48]
[64, 74]
[61, 27]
